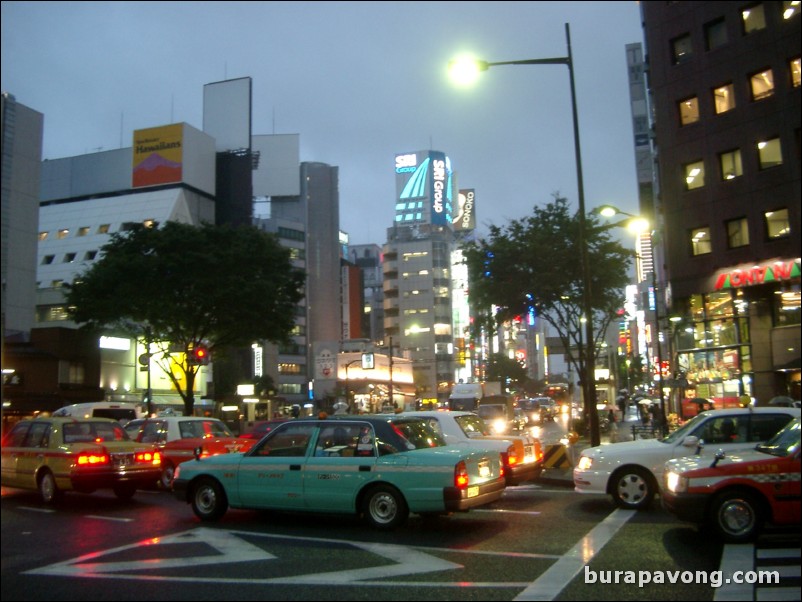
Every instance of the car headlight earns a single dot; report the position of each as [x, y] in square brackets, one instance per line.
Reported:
[675, 482]
[499, 425]
[584, 463]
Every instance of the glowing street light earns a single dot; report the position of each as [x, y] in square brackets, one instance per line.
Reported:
[639, 225]
[465, 70]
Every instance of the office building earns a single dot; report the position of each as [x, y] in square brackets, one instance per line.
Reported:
[724, 88]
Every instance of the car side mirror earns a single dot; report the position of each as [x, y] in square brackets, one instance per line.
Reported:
[691, 441]
[719, 456]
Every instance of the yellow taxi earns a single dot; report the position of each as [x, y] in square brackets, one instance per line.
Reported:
[57, 454]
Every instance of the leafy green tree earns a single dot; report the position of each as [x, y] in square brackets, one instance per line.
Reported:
[179, 286]
[505, 370]
[535, 264]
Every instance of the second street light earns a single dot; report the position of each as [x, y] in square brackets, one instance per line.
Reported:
[638, 224]
[466, 69]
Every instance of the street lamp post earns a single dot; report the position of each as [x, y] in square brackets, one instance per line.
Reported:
[588, 376]
[609, 210]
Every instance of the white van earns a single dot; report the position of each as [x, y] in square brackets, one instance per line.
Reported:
[103, 409]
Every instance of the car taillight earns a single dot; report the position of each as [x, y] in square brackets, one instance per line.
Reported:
[92, 459]
[538, 451]
[150, 457]
[461, 475]
[512, 457]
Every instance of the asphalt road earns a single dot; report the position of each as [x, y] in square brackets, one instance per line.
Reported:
[540, 542]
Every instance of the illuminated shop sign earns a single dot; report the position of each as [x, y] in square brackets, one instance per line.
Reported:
[406, 163]
[464, 217]
[441, 189]
[753, 275]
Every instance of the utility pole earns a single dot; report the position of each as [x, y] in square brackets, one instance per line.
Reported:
[390, 385]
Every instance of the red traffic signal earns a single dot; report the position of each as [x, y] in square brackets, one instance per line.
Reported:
[198, 356]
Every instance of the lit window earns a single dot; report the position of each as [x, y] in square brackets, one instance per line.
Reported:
[790, 9]
[762, 84]
[769, 153]
[724, 98]
[103, 228]
[715, 34]
[83, 231]
[43, 236]
[689, 110]
[796, 78]
[731, 166]
[777, 223]
[694, 175]
[738, 233]
[63, 233]
[754, 18]
[682, 49]
[56, 284]
[150, 223]
[700, 241]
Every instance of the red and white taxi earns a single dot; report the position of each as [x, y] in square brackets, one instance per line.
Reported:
[736, 495]
[177, 437]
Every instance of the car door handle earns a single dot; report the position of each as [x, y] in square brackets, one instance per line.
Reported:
[364, 468]
[295, 467]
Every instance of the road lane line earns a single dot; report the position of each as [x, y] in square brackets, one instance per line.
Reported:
[549, 585]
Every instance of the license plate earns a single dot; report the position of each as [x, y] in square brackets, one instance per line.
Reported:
[473, 491]
[120, 461]
[484, 468]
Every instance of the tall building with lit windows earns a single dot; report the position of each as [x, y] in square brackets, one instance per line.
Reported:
[417, 270]
[724, 85]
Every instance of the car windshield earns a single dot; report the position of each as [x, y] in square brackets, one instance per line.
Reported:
[491, 411]
[472, 425]
[785, 442]
[89, 432]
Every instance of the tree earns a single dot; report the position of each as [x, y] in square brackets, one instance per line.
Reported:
[179, 286]
[505, 370]
[534, 264]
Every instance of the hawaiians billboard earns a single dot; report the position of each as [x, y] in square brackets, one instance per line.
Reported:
[158, 155]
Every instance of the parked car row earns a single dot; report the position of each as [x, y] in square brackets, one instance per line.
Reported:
[732, 470]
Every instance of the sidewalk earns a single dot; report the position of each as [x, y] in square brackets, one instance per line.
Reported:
[563, 477]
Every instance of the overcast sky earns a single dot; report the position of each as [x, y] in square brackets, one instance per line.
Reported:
[359, 82]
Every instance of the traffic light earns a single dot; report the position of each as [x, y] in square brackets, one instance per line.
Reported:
[198, 356]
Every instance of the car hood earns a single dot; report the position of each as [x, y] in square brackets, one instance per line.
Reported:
[628, 449]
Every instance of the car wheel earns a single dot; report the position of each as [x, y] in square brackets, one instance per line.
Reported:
[385, 508]
[124, 491]
[633, 488]
[209, 501]
[736, 516]
[166, 480]
[48, 489]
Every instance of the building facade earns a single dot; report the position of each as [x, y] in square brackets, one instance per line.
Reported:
[724, 86]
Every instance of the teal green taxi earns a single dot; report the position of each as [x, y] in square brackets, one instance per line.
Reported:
[379, 467]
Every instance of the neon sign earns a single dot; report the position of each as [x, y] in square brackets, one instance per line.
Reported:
[406, 163]
[758, 274]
